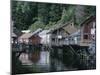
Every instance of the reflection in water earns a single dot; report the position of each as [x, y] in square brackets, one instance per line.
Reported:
[44, 58]
[24, 58]
[40, 61]
[36, 60]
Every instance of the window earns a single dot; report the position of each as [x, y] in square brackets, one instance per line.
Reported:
[85, 36]
[59, 36]
[53, 39]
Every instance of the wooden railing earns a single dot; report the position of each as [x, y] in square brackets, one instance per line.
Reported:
[65, 42]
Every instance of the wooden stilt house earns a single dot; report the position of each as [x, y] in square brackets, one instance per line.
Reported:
[30, 38]
[60, 33]
[88, 31]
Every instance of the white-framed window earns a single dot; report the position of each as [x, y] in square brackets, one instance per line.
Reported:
[59, 36]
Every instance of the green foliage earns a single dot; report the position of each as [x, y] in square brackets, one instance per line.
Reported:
[55, 12]
[49, 25]
[35, 15]
[67, 15]
[22, 14]
[43, 12]
[90, 10]
[37, 24]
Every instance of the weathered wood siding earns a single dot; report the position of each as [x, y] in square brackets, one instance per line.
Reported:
[86, 36]
[70, 28]
[58, 37]
[35, 40]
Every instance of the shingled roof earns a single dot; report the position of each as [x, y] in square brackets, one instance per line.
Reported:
[28, 35]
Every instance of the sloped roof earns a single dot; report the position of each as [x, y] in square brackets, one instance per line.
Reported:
[75, 33]
[28, 35]
[37, 31]
[68, 29]
[88, 19]
[44, 32]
